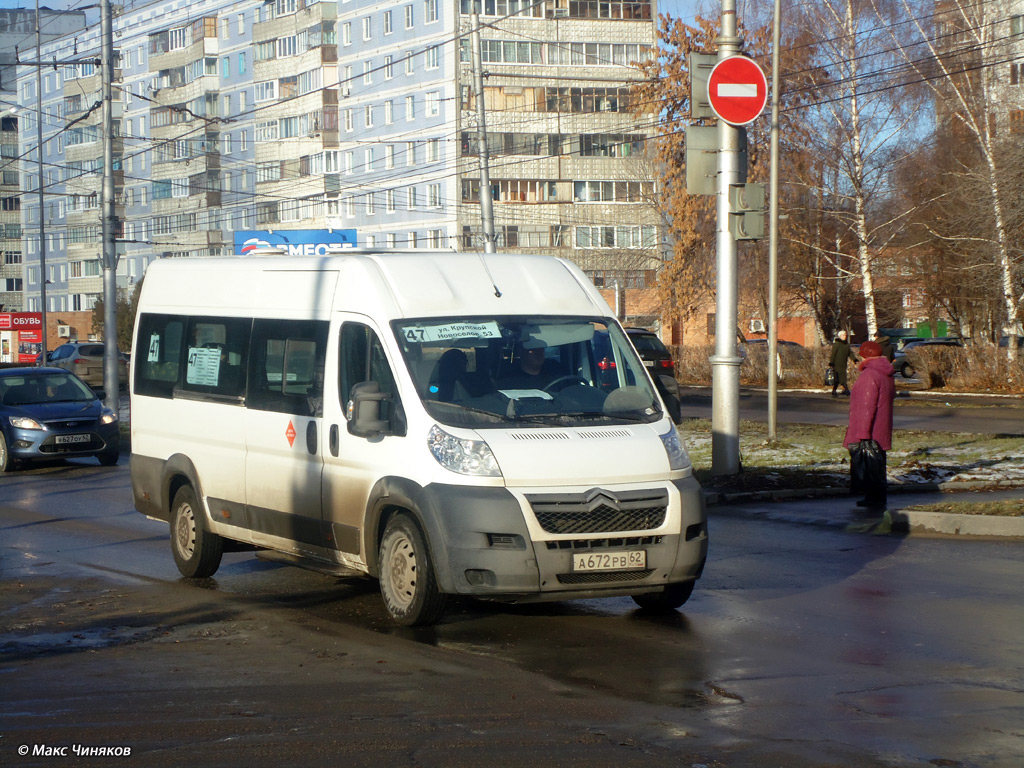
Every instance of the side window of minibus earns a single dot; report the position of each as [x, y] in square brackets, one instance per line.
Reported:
[159, 351]
[363, 359]
[287, 370]
[215, 351]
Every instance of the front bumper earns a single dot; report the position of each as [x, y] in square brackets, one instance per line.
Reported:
[40, 445]
[493, 546]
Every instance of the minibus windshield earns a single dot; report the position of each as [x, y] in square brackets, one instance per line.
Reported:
[531, 371]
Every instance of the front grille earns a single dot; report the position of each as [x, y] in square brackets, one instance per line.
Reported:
[591, 544]
[603, 577]
[81, 425]
[600, 511]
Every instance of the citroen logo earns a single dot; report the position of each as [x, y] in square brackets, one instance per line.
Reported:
[598, 498]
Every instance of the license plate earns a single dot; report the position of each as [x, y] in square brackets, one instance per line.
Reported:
[649, 363]
[610, 561]
[71, 439]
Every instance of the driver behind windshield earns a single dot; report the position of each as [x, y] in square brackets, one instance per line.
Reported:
[532, 369]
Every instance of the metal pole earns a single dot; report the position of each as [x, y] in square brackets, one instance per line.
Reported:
[42, 203]
[486, 203]
[725, 363]
[110, 376]
[773, 236]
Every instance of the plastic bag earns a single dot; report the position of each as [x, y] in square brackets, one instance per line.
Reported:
[830, 376]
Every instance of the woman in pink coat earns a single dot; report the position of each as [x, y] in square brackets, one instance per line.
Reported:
[869, 434]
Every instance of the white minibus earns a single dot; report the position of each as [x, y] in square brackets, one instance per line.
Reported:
[447, 423]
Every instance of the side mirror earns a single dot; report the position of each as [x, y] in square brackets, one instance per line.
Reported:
[363, 410]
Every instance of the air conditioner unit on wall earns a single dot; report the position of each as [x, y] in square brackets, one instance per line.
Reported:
[64, 331]
[757, 325]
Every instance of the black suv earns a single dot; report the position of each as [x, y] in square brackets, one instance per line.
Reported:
[652, 351]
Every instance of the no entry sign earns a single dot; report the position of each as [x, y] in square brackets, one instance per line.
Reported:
[737, 90]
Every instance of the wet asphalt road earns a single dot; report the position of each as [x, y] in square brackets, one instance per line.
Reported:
[800, 647]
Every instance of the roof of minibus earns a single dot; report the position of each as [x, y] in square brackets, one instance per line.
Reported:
[393, 284]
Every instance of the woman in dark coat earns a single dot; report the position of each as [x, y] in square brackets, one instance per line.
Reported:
[869, 434]
[841, 352]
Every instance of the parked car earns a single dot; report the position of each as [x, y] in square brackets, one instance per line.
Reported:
[48, 413]
[905, 367]
[85, 360]
[655, 355]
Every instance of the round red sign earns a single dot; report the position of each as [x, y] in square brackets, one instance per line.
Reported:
[737, 90]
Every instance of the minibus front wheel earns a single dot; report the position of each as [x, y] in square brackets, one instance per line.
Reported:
[197, 552]
[407, 580]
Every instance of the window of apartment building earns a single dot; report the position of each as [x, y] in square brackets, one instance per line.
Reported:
[144, 196]
[243, 141]
[388, 69]
[268, 172]
[430, 11]
[369, 204]
[411, 201]
[287, 46]
[389, 112]
[434, 195]
[389, 156]
[266, 130]
[390, 239]
[432, 104]
[387, 23]
[349, 124]
[346, 83]
[350, 161]
[368, 115]
[346, 33]
[410, 153]
[626, 236]
[408, 17]
[288, 127]
[410, 108]
[225, 28]
[225, 144]
[410, 64]
[413, 240]
[285, 7]
[434, 237]
[240, 18]
[371, 241]
[225, 67]
[367, 27]
[1017, 121]
[227, 105]
[432, 57]
[350, 206]
[389, 201]
[241, 63]
[369, 158]
[433, 150]
[1017, 25]
[367, 72]
[611, 191]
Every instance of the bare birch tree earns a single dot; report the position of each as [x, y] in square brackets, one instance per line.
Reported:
[859, 121]
[959, 59]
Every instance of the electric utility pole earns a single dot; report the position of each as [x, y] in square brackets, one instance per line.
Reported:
[108, 223]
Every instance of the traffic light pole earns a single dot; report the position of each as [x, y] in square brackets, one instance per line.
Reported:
[725, 363]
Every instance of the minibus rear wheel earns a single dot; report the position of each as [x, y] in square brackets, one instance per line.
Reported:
[197, 552]
[670, 598]
[407, 581]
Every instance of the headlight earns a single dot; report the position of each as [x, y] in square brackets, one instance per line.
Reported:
[108, 417]
[467, 457]
[677, 458]
[24, 422]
